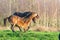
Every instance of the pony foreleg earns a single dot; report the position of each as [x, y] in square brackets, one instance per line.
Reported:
[19, 28]
[26, 29]
[12, 28]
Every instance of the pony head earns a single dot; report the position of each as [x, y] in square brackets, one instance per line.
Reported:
[36, 16]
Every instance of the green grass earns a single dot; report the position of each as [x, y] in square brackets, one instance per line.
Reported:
[29, 35]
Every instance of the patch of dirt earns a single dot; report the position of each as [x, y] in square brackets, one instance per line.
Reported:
[41, 28]
[7, 28]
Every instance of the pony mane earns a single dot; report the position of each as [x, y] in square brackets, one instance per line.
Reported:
[28, 15]
[24, 14]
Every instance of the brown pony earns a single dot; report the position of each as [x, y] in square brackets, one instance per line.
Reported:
[22, 23]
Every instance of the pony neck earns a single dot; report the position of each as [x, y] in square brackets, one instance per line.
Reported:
[32, 16]
[30, 19]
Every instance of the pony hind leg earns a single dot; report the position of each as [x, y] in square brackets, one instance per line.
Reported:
[12, 28]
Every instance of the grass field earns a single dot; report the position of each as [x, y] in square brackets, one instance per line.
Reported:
[29, 35]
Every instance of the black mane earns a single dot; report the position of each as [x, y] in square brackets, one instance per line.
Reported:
[25, 14]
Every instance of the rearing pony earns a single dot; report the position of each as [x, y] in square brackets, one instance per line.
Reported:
[22, 23]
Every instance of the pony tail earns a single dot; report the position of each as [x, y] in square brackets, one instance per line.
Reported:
[5, 21]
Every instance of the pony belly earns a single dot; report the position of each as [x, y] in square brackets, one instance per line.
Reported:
[22, 25]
